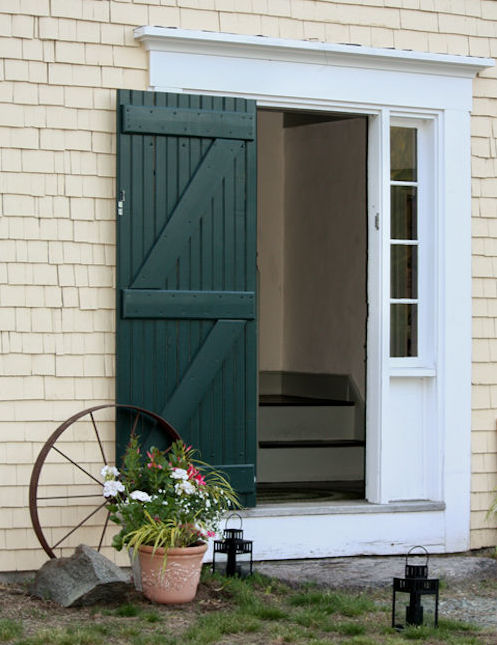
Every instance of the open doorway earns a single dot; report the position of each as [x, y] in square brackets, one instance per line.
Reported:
[312, 259]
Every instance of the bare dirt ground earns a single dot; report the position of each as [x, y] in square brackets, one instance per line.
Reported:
[472, 599]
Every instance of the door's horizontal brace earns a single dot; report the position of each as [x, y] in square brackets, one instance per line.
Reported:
[187, 122]
[157, 303]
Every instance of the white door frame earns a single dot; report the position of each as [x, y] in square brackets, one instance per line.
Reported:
[379, 83]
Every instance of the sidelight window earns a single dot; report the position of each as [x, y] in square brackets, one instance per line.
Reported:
[404, 242]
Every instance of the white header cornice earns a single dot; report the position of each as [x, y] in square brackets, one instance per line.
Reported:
[207, 43]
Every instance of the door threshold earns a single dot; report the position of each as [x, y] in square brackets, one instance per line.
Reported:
[342, 507]
[310, 492]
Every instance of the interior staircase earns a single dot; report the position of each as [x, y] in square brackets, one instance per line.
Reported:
[310, 439]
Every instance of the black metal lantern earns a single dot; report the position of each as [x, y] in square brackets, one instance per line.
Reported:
[232, 554]
[409, 591]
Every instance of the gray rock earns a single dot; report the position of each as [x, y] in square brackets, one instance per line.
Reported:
[85, 578]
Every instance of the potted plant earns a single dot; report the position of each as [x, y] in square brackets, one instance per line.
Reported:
[168, 504]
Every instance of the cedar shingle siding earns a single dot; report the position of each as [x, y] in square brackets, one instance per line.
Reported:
[62, 60]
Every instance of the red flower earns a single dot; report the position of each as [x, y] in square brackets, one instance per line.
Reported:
[200, 479]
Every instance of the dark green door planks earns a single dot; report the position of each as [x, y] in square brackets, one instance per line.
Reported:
[186, 272]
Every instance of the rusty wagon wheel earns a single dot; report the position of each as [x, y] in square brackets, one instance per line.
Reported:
[65, 491]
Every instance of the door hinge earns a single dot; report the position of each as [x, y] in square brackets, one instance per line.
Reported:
[120, 203]
[377, 221]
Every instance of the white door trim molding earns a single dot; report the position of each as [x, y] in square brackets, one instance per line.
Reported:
[279, 72]
[380, 83]
[206, 43]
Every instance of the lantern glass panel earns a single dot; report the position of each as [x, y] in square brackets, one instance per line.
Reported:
[243, 565]
[232, 556]
[240, 565]
[416, 607]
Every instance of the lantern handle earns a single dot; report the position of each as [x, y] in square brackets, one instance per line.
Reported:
[418, 547]
[231, 515]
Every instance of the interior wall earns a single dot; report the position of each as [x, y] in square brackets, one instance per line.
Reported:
[324, 325]
[270, 238]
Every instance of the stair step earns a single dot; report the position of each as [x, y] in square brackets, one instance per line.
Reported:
[306, 423]
[312, 443]
[300, 401]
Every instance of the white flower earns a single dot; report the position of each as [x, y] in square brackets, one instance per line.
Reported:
[140, 495]
[112, 488]
[109, 471]
[184, 487]
[179, 473]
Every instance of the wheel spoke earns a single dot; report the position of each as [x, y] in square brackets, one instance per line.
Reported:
[77, 465]
[69, 496]
[79, 525]
[103, 532]
[150, 425]
[98, 439]
[135, 423]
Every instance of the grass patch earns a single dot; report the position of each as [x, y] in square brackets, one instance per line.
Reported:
[362, 640]
[267, 612]
[65, 636]
[9, 629]
[211, 627]
[332, 602]
[350, 629]
[291, 634]
[313, 618]
[153, 639]
[127, 611]
[446, 625]
[254, 611]
[150, 617]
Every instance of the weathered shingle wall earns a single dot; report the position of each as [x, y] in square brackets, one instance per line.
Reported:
[62, 60]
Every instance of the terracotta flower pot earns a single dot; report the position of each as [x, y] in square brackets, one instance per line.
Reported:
[176, 583]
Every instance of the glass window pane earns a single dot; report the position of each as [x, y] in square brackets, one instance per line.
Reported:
[404, 218]
[403, 330]
[403, 154]
[403, 271]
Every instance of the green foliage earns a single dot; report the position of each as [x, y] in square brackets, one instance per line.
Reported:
[313, 618]
[153, 639]
[127, 611]
[421, 633]
[9, 629]
[448, 625]
[77, 635]
[333, 602]
[245, 612]
[150, 617]
[349, 629]
[268, 612]
[210, 628]
[165, 499]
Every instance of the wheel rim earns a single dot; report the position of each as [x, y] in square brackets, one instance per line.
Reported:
[38, 502]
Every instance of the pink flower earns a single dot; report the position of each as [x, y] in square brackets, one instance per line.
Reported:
[211, 533]
[200, 479]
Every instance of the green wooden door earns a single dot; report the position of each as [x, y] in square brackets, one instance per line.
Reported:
[186, 272]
